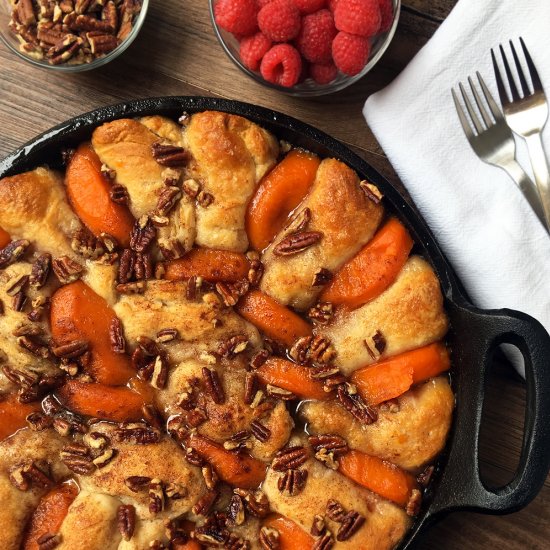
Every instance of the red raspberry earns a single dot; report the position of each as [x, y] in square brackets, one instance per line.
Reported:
[309, 6]
[360, 17]
[350, 52]
[237, 16]
[332, 5]
[252, 49]
[262, 3]
[386, 12]
[282, 65]
[279, 20]
[315, 39]
[323, 73]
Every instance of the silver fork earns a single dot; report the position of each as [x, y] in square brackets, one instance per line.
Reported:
[526, 115]
[493, 142]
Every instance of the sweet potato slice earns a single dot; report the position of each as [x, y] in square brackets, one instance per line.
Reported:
[88, 192]
[4, 238]
[280, 192]
[78, 313]
[372, 269]
[49, 514]
[239, 470]
[212, 265]
[119, 404]
[13, 415]
[291, 535]
[394, 376]
[292, 377]
[272, 318]
[379, 476]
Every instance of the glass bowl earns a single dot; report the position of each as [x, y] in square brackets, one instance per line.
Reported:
[309, 88]
[10, 39]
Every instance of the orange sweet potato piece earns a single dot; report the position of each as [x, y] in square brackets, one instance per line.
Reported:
[4, 238]
[13, 415]
[78, 313]
[212, 265]
[373, 269]
[292, 377]
[279, 192]
[49, 514]
[88, 192]
[239, 470]
[291, 535]
[119, 404]
[188, 545]
[379, 476]
[394, 376]
[272, 318]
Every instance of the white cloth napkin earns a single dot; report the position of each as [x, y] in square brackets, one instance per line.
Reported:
[494, 241]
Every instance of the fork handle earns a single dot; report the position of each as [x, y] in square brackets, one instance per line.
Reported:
[540, 170]
[527, 187]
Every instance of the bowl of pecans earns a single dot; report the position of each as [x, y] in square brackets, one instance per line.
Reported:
[70, 35]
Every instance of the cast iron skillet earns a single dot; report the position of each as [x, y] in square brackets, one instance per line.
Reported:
[474, 334]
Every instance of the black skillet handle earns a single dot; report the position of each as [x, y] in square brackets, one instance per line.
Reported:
[460, 486]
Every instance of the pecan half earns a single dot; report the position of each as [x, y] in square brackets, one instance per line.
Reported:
[205, 503]
[48, 541]
[317, 349]
[159, 376]
[137, 484]
[349, 525]
[259, 359]
[77, 458]
[296, 242]
[269, 538]
[168, 198]
[143, 234]
[12, 252]
[371, 191]
[231, 292]
[126, 516]
[101, 42]
[330, 442]
[292, 481]
[318, 526]
[259, 431]
[235, 510]
[335, 511]
[169, 155]
[256, 502]
[213, 385]
[28, 474]
[66, 269]
[40, 270]
[35, 346]
[290, 458]
[137, 433]
[167, 335]
[210, 476]
[351, 401]
[250, 387]
[119, 194]
[116, 335]
[156, 496]
[71, 350]
[25, 12]
[324, 542]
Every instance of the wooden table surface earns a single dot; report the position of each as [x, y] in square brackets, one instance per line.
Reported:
[176, 53]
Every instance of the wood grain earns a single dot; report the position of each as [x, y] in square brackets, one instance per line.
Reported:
[176, 53]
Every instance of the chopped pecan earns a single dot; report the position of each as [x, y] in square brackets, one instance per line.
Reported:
[143, 234]
[209, 475]
[424, 477]
[116, 335]
[191, 188]
[214, 530]
[156, 496]
[137, 433]
[126, 266]
[414, 503]
[104, 458]
[335, 511]
[256, 502]
[236, 510]
[250, 387]
[321, 277]
[296, 242]
[349, 525]
[65, 49]
[40, 270]
[236, 543]
[292, 481]
[48, 541]
[213, 385]
[259, 431]
[137, 484]
[85, 244]
[290, 458]
[19, 377]
[19, 301]
[126, 516]
[205, 199]
[231, 292]
[86, 23]
[184, 119]
[269, 538]
[318, 527]
[16, 284]
[280, 393]
[205, 503]
[109, 15]
[81, 6]
[159, 377]
[109, 243]
[66, 269]
[35, 346]
[259, 359]
[175, 491]
[327, 458]
[255, 272]
[28, 474]
[38, 421]
[119, 194]
[152, 416]
[131, 288]
[321, 313]
[193, 457]
[331, 443]
[233, 346]
[238, 441]
[71, 350]
[351, 401]
[13, 252]
[25, 12]
[169, 155]
[371, 191]
[96, 440]
[167, 335]
[299, 221]
[379, 342]
[324, 542]
[168, 198]
[101, 42]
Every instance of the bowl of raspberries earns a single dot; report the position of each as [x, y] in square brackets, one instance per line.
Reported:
[305, 47]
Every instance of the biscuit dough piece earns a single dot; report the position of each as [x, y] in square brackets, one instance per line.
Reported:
[233, 415]
[101, 278]
[164, 305]
[409, 438]
[347, 219]
[164, 128]
[146, 531]
[33, 206]
[18, 506]
[91, 523]
[409, 314]
[164, 460]
[385, 522]
[231, 155]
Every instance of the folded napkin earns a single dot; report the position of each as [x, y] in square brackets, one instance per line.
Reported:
[494, 241]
